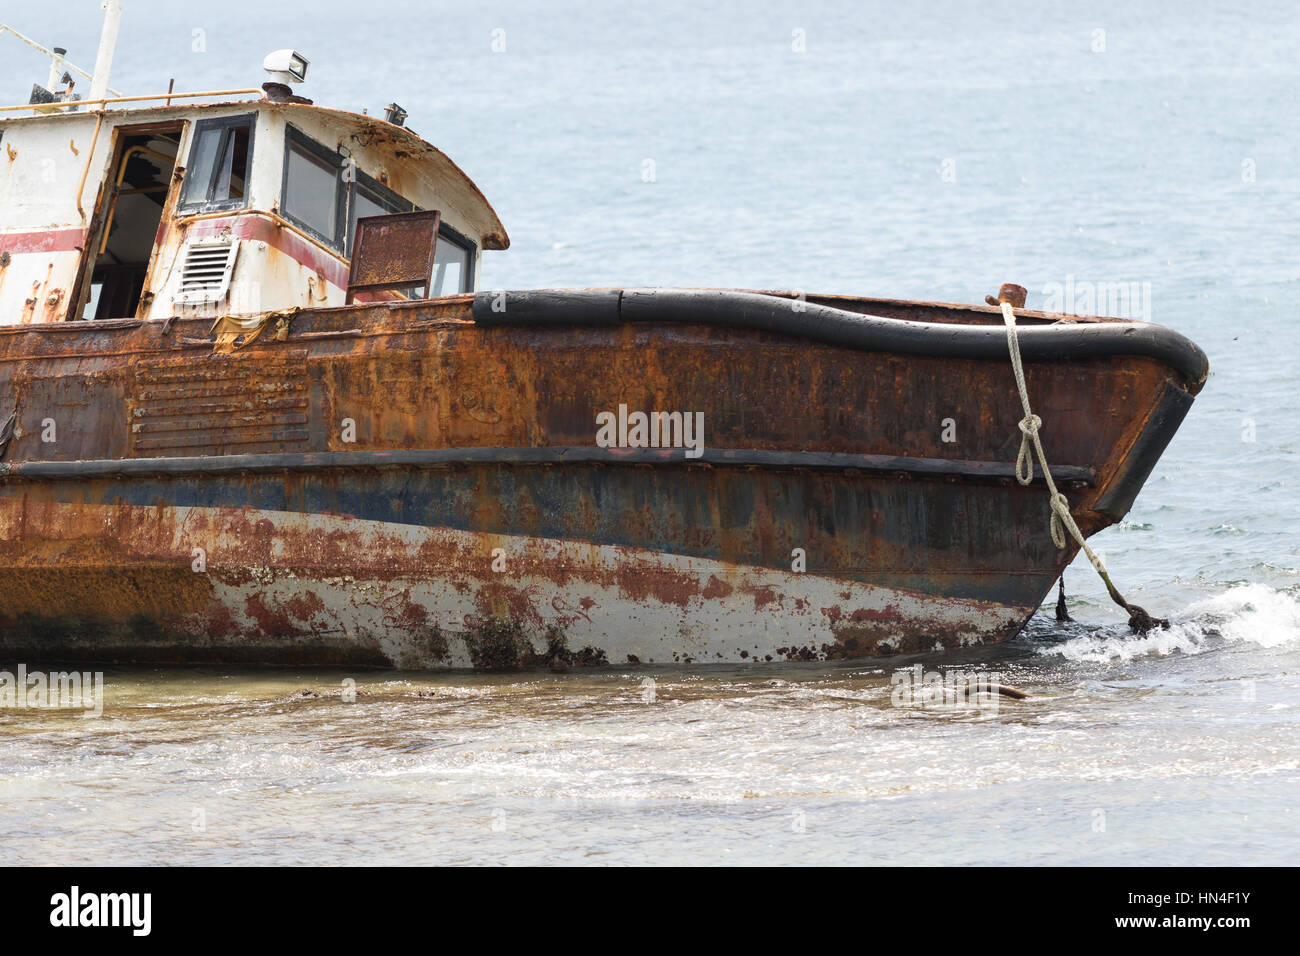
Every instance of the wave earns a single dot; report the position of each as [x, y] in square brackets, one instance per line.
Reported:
[1245, 614]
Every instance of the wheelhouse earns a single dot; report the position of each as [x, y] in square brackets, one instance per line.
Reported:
[228, 208]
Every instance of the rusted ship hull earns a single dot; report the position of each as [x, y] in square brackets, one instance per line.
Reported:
[419, 485]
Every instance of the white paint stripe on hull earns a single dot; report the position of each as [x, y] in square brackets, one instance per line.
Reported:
[429, 597]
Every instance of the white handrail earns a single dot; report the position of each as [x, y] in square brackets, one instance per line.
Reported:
[4, 28]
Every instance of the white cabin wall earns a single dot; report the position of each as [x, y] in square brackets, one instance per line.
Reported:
[291, 268]
[42, 160]
[264, 278]
[41, 231]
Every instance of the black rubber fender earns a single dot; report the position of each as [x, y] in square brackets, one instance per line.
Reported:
[1062, 341]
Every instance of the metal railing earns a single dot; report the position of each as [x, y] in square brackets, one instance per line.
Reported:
[73, 105]
[57, 62]
[59, 106]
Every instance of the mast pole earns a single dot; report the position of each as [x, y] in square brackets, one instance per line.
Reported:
[107, 44]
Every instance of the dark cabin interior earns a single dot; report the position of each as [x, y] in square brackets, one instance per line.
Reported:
[141, 177]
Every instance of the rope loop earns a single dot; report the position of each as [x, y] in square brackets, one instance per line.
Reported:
[1060, 515]
[1029, 426]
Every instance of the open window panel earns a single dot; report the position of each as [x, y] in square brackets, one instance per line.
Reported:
[216, 175]
[453, 257]
[129, 213]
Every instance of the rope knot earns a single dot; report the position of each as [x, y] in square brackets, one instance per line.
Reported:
[1029, 426]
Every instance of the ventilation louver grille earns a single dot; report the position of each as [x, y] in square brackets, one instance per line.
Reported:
[209, 265]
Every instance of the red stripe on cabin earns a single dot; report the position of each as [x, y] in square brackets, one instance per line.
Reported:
[261, 229]
[44, 240]
[252, 226]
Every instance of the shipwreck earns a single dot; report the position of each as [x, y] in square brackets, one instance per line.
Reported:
[255, 408]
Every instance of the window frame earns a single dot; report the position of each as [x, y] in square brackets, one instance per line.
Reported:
[399, 203]
[293, 136]
[208, 204]
[386, 196]
[462, 241]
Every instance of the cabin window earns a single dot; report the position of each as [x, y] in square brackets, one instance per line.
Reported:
[371, 198]
[453, 263]
[313, 193]
[221, 154]
[453, 257]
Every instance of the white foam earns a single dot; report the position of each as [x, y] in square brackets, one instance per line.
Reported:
[1248, 613]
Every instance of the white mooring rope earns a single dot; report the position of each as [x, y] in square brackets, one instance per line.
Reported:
[1062, 520]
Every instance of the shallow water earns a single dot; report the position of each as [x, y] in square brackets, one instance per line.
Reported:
[1168, 158]
[1179, 748]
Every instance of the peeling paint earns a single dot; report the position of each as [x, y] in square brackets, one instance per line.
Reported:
[383, 562]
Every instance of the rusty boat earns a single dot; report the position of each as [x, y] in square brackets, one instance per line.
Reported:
[256, 409]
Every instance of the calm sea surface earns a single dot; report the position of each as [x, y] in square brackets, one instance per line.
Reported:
[919, 151]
